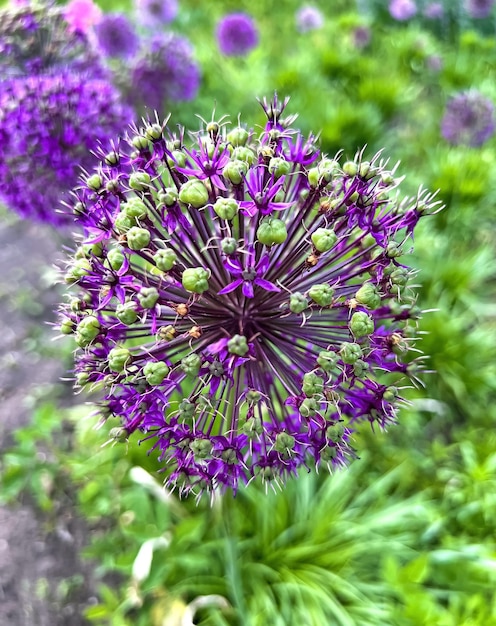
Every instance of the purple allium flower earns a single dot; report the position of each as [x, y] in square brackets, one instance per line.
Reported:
[434, 11]
[82, 15]
[237, 34]
[468, 119]
[309, 18]
[402, 10]
[479, 9]
[155, 13]
[165, 72]
[116, 36]
[242, 302]
[48, 125]
[361, 36]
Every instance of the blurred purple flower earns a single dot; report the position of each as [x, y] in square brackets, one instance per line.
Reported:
[82, 15]
[434, 11]
[468, 119]
[479, 9]
[309, 18]
[156, 13]
[116, 36]
[361, 36]
[402, 10]
[237, 34]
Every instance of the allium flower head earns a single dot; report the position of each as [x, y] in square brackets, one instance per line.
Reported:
[237, 34]
[48, 125]
[434, 11]
[468, 119]
[402, 10]
[309, 18]
[116, 36]
[156, 13]
[242, 301]
[479, 9]
[165, 72]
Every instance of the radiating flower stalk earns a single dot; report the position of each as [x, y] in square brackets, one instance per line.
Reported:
[242, 300]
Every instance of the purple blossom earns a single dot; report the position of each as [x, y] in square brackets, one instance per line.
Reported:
[468, 119]
[402, 10]
[361, 37]
[237, 34]
[434, 11]
[156, 13]
[250, 342]
[479, 9]
[116, 36]
[82, 15]
[165, 71]
[309, 18]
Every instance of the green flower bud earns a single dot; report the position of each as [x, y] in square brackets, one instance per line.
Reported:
[238, 345]
[94, 182]
[82, 379]
[393, 250]
[368, 296]
[335, 432]
[118, 358]
[390, 394]
[350, 352]
[140, 142]
[387, 179]
[252, 427]
[229, 456]
[322, 294]
[329, 453]
[168, 196]
[123, 223]
[309, 407]
[195, 279]
[148, 297]
[126, 313]
[237, 136]
[134, 207]
[191, 364]
[399, 276]
[350, 168]
[118, 434]
[66, 326]
[272, 231]
[201, 448]
[194, 192]
[234, 171]
[279, 167]
[178, 159]
[244, 154]
[366, 170]
[112, 158]
[284, 442]
[226, 208]
[155, 372]
[297, 302]
[80, 268]
[324, 239]
[186, 409]
[139, 181]
[314, 176]
[361, 324]
[153, 132]
[115, 257]
[360, 368]
[138, 238]
[312, 384]
[165, 259]
[216, 368]
[229, 245]
[327, 360]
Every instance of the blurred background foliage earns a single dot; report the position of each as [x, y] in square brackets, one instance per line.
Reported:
[406, 536]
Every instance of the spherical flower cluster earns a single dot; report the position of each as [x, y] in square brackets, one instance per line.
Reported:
[309, 18]
[242, 301]
[479, 9]
[402, 10]
[237, 34]
[154, 13]
[166, 71]
[468, 119]
[48, 125]
[116, 36]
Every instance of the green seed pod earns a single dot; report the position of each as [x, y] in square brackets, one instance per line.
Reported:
[112, 158]
[177, 159]
[201, 448]
[237, 136]
[123, 223]
[118, 358]
[80, 268]
[194, 192]
[135, 208]
[191, 364]
[167, 197]
[216, 368]
[115, 257]
[153, 132]
[368, 296]
[140, 142]
[165, 259]
[322, 294]
[390, 394]
[126, 313]
[195, 279]
[140, 181]
[350, 168]
[229, 245]
[327, 360]
[279, 167]
[312, 384]
[148, 297]
[66, 326]
[297, 302]
[309, 407]
[82, 379]
[226, 208]
[393, 250]
[229, 456]
[324, 239]
[234, 171]
[272, 231]
[94, 182]
[186, 409]
[350, 352]
[335, 432]
[399, 276]
[155, 372]
[360, 368]
[314, 176]
[238, 345]
[138, 238]
[284, 442]
[328, 453]
[252, 427]
[361, 324]
[244, 154]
